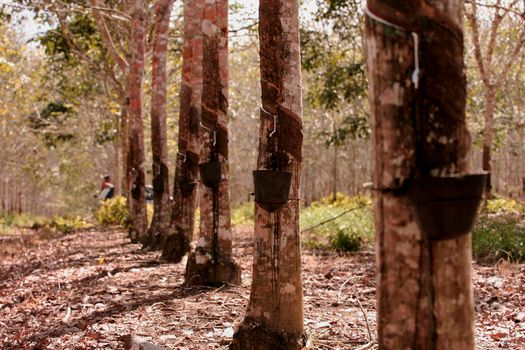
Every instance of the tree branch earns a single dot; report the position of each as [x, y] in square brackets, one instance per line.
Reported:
[106, 36]
[82, 55]
[472, 18]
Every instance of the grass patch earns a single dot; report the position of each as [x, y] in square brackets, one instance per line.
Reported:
[499, 232]
[63, 224]
[348, 232]
[22, 221]
[499, 236]
[67, 224]
[243, 214]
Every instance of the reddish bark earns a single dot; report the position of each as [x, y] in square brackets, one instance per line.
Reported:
[159, 143]
[123, 142]
[274, 319]
[136, 156]
[177, 243]
[212, 261]
[424, 288]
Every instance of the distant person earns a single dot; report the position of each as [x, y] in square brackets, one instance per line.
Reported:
[107, 190]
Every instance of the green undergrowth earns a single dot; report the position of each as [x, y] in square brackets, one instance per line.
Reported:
[499, 232]
[243, 214]
[342, 223]
[63, 224]
[346, 233]
[114, 212]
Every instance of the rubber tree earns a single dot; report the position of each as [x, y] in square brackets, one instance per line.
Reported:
[494, 62]
[159, 143]
[418, 121]
[212, 262]
[274, 319]
[136, 156]
[177, 243]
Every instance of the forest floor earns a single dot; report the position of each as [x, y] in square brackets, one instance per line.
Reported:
[93, 289]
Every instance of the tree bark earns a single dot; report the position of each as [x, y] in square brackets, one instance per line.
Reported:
[123, 140]
[177, 243]
[488, 135]
[274, 319]
[212, 261]
[136, 155]
[159, 143]
[334, 175]
[424, 288]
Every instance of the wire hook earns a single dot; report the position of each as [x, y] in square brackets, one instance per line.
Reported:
[274, 126]
[183, 156]
[416, 74]
[381, 20]
[265, 111]
[205, 127]
[417, 71]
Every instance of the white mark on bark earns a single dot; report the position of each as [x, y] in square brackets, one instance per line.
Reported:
[201, 259]
[225, 234]
[288, 289]
[201, 242]
[208, 28]
[393, 95]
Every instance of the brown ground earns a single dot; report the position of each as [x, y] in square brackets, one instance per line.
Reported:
[90, 289]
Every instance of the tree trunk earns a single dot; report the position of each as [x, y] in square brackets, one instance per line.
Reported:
[274, 319]
[424, 288]
[136, 155]
[159, 143]
[212, 261]
[124, 148]
[177, 243]
[3, 197]
[488, 135]
[334, 175]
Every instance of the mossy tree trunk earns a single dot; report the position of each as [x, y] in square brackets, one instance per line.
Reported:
[136, 154]
[212, 261]
[424, 287]
[159, 143]
[177, 243]
[274, 319]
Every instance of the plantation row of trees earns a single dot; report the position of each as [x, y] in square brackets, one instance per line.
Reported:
[98, 54]
[80, 138]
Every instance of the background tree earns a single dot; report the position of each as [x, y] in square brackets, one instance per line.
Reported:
[424, 287]
[159, 143]
[177, 243]
[275, 312]
[497, 18]
[136, 171]
[212, 261]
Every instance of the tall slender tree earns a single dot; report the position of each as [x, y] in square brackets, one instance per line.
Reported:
[159, 143]
[212, 261]
[424, 287]
[507, 52]
[177, 243]
[274, 319]
[136, 156]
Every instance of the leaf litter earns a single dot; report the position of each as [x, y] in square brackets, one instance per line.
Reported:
[94, 290]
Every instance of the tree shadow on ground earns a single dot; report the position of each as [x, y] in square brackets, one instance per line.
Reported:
[38, 340]
[85, 282]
